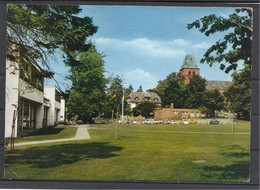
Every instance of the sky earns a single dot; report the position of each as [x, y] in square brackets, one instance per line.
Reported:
[144, 44]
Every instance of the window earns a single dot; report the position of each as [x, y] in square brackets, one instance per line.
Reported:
[155, 99]
[193, 72]
[28, 115]
[189, 73]
[57, 95]
[31, 75]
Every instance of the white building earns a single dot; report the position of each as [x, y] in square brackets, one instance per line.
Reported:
[56, 111]
[62, 110]
[24, 90]
[37, 105]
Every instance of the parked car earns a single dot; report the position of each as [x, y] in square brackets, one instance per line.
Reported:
[167, 122]
[173, 122]
[185, 122]
[192, 122]
[134, 122]
[214, 122]
[157, 122]
[148, 121]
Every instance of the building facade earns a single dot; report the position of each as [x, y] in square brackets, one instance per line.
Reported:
[26, 106]
[173, 113]
[24, 93]
[137, 97]
[57, 105]
[189, 68]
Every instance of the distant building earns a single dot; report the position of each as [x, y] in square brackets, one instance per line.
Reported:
[173, 113]
[189, 68]
[137, 97]
[222, 86]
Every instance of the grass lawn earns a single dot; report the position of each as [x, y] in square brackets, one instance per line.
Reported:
[58, 132]
[141, 152]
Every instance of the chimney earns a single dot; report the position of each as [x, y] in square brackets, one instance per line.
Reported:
[171, 107]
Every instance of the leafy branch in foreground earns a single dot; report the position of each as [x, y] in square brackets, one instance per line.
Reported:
[235, 46]
[34, 33]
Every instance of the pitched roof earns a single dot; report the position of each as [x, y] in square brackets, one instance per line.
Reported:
[189, 62]
[138, 97]
[220, 85]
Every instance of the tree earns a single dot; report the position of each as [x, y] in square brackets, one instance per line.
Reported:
[87, 95]
[113, 105]
[235, 46]
[140, 89]
[239, 94]
[212, 101]
[129, 90]
[171, 90]
[144, 109]
[194, 92]
[35, 32]
[174, 93]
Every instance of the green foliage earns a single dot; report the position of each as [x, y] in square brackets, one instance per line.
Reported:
[174, 93]
[235, 46]
[87, 95]
[171, 90]
[194, 92]
[34, 32]
[144, 109]
[212, 101]
[140, 89]
[115, 85]
[129, 90]
[239, 93]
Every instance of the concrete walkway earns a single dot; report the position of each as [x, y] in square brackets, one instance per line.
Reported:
[81, 134]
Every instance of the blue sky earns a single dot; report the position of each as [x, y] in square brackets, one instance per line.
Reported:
[145, 44]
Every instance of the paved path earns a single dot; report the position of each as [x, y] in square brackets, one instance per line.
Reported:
[81, 134]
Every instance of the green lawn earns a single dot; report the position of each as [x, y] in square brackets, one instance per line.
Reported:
[141, 152]
[59, 132]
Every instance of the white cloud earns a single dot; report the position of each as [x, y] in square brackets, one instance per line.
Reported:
[202, 45]
[142, 46]
[139, 77]
[152, 48]
[181, 42]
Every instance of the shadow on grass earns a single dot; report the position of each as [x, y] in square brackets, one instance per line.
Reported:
[57, 155]
[239, 169]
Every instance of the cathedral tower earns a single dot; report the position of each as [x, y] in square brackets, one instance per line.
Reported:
[189, 68]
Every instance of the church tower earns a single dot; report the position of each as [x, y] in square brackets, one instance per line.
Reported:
[189, 68]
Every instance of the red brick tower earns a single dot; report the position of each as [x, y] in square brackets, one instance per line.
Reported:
[189, 68]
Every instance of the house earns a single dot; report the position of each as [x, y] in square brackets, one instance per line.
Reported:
[24, 93]
[173, 113]
[56, 110]
[29, 104]
[137, 97]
